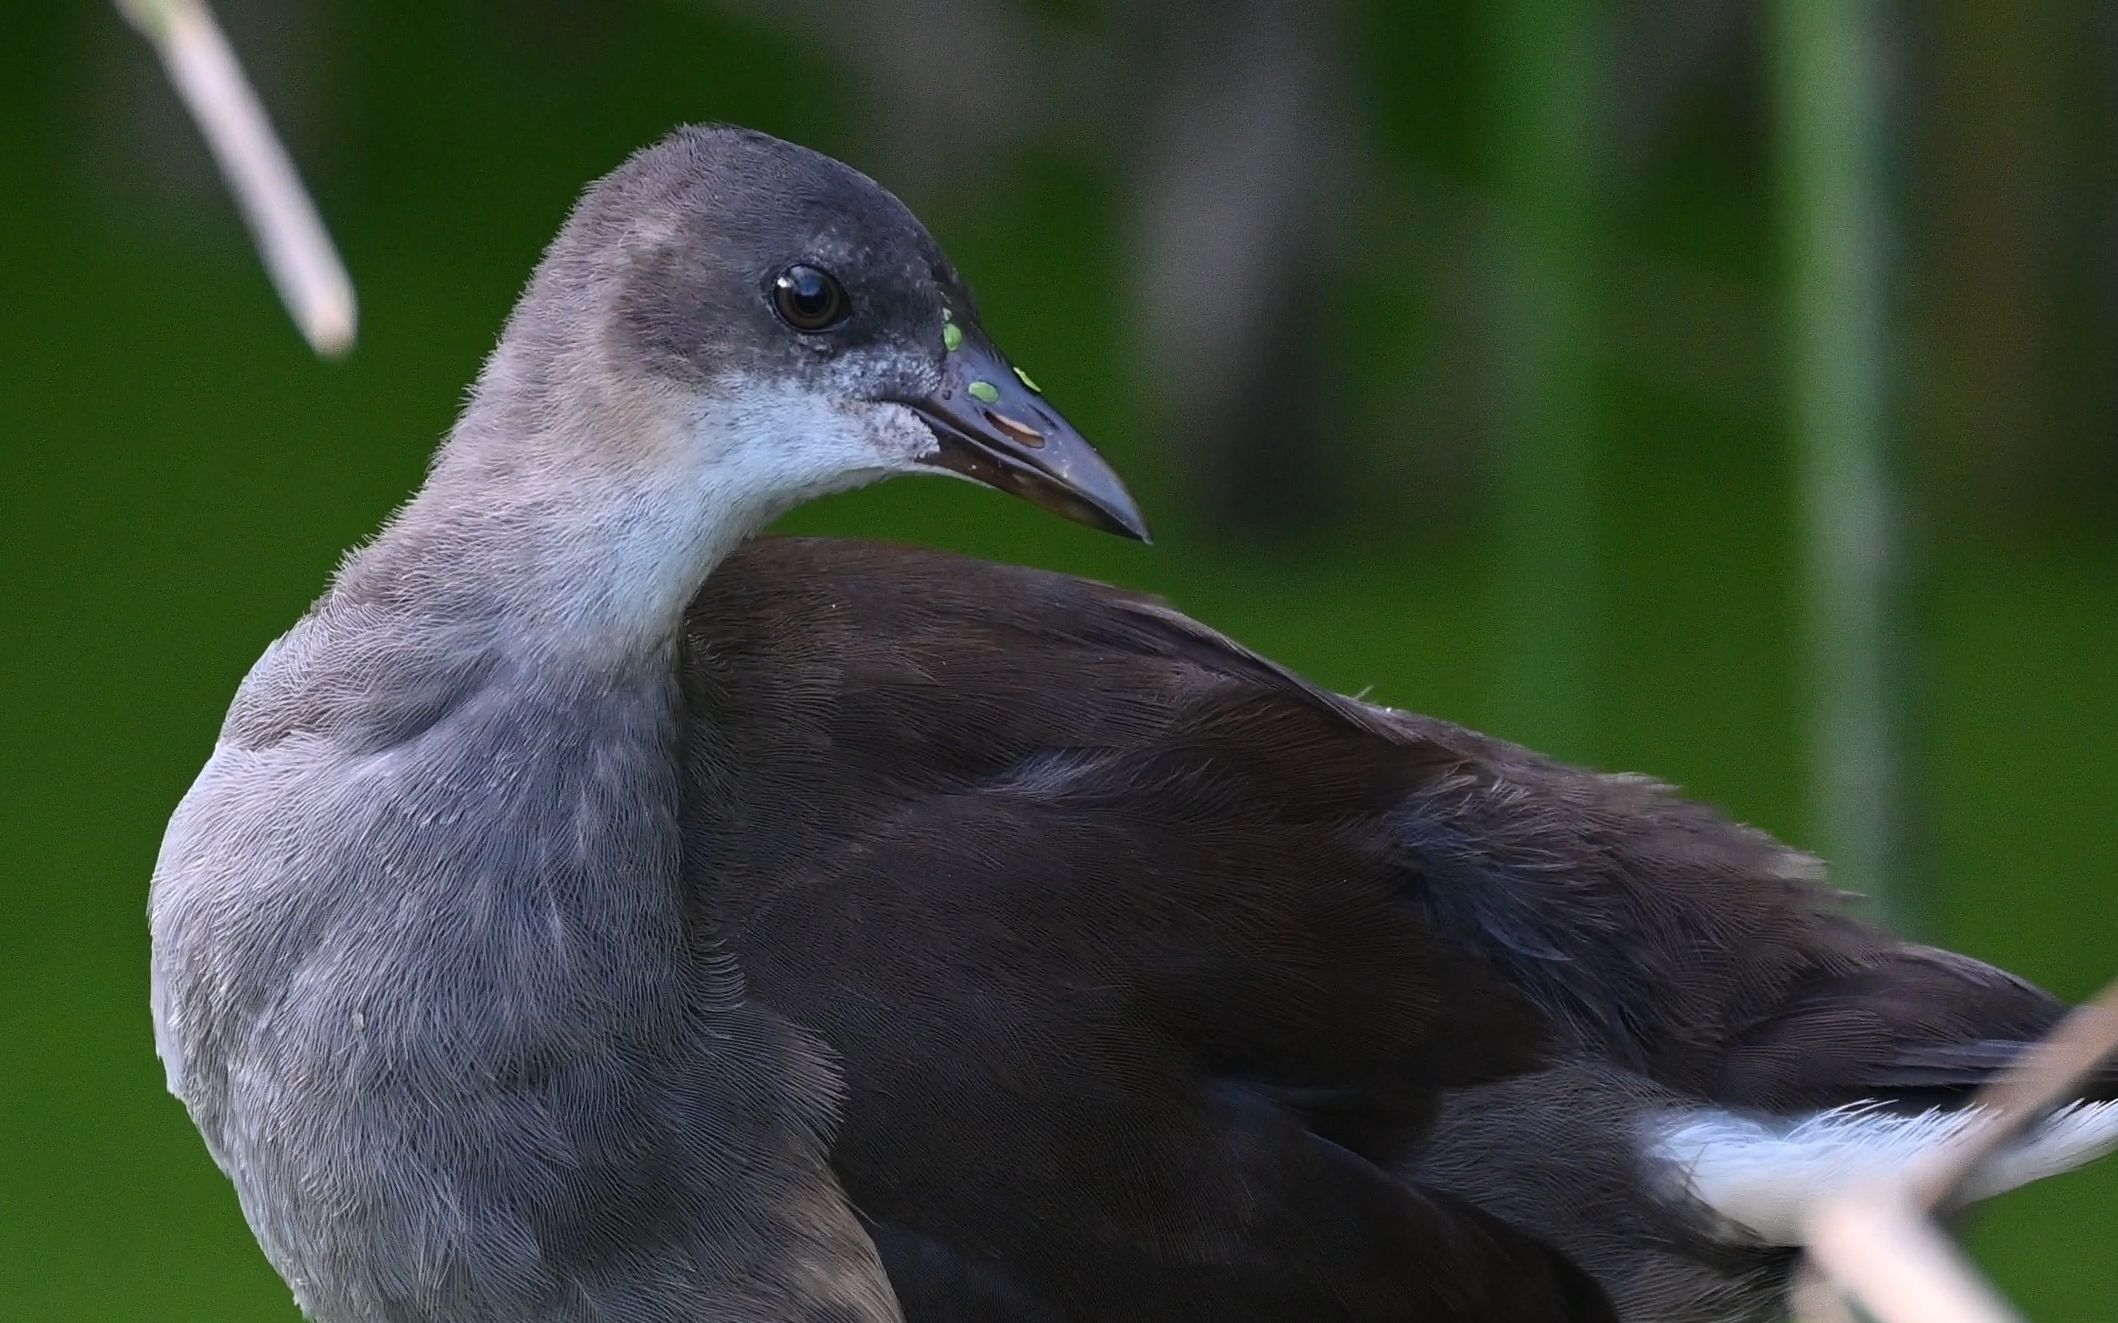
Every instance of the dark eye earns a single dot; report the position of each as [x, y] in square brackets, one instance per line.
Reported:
[808, 299]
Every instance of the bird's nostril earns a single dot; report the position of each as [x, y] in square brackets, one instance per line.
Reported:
[1016, 428]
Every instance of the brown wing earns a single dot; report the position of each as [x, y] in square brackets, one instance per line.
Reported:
[1114, 926]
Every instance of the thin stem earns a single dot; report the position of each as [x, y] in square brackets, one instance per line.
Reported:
[1877, 1244]
[1545, 152]
[1878, 1248]
[2048, 1074]
[1832, 126]
[291, 239]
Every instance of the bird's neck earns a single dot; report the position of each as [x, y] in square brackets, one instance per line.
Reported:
[571, 526]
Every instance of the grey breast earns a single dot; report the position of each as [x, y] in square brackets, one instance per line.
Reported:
[424, 978]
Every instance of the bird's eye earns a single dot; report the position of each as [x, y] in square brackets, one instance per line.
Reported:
[809, 299]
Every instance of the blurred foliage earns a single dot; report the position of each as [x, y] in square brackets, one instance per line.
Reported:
[178, 475]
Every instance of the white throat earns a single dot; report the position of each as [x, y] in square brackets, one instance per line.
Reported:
[583, 532]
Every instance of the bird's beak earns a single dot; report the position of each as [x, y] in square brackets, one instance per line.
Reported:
[995, 427]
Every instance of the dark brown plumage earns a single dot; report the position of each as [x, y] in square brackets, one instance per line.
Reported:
[1110, 923]
[1145, 957]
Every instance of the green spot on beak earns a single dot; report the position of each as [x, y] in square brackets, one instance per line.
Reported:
[951, 336]
[947, 316]
[1024, 378]
[985, 392]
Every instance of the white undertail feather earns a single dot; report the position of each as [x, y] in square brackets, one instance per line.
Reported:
[1762, 1175]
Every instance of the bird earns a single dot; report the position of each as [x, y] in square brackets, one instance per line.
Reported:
[591, 909]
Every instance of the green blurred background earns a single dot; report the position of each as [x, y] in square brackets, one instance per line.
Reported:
[1458, 353]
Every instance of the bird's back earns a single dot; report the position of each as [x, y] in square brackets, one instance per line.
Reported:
[1111, 925]
[1084, 894]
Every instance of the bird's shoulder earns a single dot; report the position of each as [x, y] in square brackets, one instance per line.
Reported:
[947, 778]
[1043, 859]
[969, 700]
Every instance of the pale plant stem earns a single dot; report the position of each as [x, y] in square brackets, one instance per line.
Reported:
[291, 239]
[2049, 1074]
[1879, 1246]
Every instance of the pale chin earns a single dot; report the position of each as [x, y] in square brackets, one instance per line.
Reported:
[775, 444]
[904, 438]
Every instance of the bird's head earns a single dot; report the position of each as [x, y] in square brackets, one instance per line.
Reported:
[793, 329]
